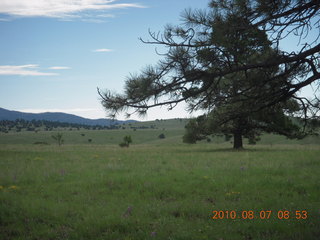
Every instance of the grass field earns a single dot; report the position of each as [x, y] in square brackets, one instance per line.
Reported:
[156, 188]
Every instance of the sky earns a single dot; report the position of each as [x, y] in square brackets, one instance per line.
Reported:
[55, 53]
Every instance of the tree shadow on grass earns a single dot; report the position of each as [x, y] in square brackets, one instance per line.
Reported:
[261, 148]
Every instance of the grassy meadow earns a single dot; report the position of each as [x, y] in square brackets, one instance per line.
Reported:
[157, 188]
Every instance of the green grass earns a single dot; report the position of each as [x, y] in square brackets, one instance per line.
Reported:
[83, 191]
[173, 130]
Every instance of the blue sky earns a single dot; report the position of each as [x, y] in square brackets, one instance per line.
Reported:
[55, 53]
[53, 57]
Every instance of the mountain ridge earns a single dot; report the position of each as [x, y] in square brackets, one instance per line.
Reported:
[12, 115]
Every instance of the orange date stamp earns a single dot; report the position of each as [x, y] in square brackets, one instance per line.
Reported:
[263, 214]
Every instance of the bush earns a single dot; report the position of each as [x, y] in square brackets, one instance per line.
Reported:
[161, 136]
[126, 141]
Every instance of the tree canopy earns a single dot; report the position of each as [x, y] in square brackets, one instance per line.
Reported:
[228, 61]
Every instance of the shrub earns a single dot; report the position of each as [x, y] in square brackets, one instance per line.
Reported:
[126, 141]
[161, 136]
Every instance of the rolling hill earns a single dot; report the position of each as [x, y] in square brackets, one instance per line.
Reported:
[57, 116]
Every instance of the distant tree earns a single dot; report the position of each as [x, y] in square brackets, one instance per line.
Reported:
[126, 141]
[58, 137]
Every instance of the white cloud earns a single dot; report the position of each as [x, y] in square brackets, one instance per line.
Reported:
[59, 68]
[59, 8]
[23, 70]
[95, 18]
[106, 15]
[103, 50]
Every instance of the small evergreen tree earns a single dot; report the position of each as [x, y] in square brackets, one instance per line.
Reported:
[58, 138]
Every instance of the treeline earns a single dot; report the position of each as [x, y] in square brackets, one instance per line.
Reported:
[43, 125]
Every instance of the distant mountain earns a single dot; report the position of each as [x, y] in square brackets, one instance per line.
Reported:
[57, 116]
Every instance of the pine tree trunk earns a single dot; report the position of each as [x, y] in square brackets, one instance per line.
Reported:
[237, 140]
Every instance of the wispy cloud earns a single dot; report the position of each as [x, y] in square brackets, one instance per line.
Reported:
[59, 68]
[103, 50]
[94, 18]
[60, 8]
[4, 20]
[23, 70]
